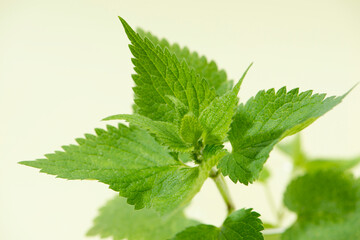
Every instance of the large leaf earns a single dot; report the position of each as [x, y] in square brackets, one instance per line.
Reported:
[119, 220]
[207, 69]
[132, 163]
[327, 204]
[321, 195]
[346, 229]
[159, 74]
[243, 224]
[263, 121]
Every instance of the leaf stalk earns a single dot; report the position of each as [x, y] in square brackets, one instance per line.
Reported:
[223, 189]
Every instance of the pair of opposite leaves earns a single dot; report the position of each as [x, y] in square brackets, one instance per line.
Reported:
[176, 108]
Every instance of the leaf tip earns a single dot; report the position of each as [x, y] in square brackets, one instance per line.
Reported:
[351, 89]
[122, 21]
[106, 119]
[113, 117]
[128, 30]
[23, 163]
[29, 163]
[237, 86]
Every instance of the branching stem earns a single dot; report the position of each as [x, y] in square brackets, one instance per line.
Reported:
[223, 189]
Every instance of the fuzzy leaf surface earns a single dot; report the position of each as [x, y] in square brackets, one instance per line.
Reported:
[243, 224]
[160, 74]
[207, 69]
[263, 121]
[119, 220]
[132, 163]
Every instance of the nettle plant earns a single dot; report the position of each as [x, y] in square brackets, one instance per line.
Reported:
[185, 110]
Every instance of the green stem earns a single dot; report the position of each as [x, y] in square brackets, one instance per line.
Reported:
[278, 212]
[223, 189]
[271, 202]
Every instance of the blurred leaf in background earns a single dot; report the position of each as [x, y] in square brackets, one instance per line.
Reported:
[119, 220]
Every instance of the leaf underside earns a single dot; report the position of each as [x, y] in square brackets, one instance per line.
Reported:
[119, 220]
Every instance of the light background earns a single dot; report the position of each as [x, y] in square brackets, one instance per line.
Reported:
[64, 65]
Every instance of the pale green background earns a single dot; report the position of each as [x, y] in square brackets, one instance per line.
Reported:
[64, 65]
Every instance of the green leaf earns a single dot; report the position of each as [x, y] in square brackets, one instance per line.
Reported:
[133, 164]
[166, 133]
[160, 74]
[243, 224]
[321, 195]
[264, 175]
[217, 117]
[119, 220]
[294, 150]
[268, 225]
[344, 227]
[185, 157]
[180, 109]
[263, 121]
[333, 164]
[275, 236]
[199, 232]
[190, 129]
[207, 69]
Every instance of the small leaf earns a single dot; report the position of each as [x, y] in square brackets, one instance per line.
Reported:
[190, 129]
[331, 164]
[120, 221]
[294, 150]
[263, 121]
[166, 133]
[264, 175]
[180, 108]
[217, 117]
[242, 224]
